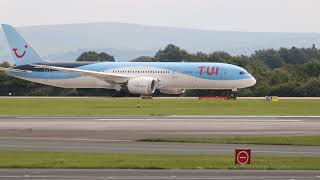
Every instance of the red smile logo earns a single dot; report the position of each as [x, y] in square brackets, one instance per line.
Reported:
[15, 50]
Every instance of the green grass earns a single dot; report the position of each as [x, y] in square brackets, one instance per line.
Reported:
[266, 140]
[25, 159]
[159, 107]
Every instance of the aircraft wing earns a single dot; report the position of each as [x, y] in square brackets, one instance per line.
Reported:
[108, 77]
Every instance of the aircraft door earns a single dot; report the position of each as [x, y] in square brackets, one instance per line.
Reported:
[226, 74]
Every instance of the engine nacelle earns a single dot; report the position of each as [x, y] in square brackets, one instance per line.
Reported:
[173, 91]
[142, 85]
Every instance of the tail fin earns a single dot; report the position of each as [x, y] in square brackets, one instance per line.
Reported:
[22, 52]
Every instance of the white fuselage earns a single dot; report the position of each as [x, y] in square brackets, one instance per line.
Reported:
[168, 78]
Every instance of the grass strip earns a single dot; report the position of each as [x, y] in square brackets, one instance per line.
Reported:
[155, 107]
[26, 159]
[262, 140]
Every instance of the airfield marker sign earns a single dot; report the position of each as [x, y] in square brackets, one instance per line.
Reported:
[242, 156]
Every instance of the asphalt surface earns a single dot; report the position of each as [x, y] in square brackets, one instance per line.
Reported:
[92, 174]
[137, 127]
[153, 147]
[118, 134]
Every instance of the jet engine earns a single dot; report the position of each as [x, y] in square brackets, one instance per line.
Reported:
[173, 91]
[142, 85]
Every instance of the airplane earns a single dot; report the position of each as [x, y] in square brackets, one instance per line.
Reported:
[136, 77]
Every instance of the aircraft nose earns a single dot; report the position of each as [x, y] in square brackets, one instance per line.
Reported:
[253, 81]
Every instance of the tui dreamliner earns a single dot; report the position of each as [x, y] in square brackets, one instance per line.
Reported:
[136, 77]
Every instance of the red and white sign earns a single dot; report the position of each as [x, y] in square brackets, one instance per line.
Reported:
[242, 156]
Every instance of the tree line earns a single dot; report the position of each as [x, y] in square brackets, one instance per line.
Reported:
[280, 72]
[283, 72]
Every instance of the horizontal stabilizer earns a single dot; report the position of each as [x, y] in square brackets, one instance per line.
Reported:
[14, 70]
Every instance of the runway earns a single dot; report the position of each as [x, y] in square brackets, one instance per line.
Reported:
[64, 174]
[153, 148]
[119, 134]
[132, 128]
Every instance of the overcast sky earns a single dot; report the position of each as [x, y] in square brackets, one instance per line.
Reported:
[234, 15]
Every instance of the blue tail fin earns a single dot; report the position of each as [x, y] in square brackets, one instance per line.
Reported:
[21, 51]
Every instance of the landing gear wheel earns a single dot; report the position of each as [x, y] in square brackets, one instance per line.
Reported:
[122, 93]
[233, 94]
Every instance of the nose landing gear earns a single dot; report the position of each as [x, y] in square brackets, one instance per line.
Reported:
[234, 94]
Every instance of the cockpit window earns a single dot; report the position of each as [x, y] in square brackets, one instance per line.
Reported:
[243, 72]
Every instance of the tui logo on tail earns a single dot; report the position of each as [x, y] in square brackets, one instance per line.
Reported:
[15, 50]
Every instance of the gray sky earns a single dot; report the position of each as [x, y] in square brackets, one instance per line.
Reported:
[235, 15]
